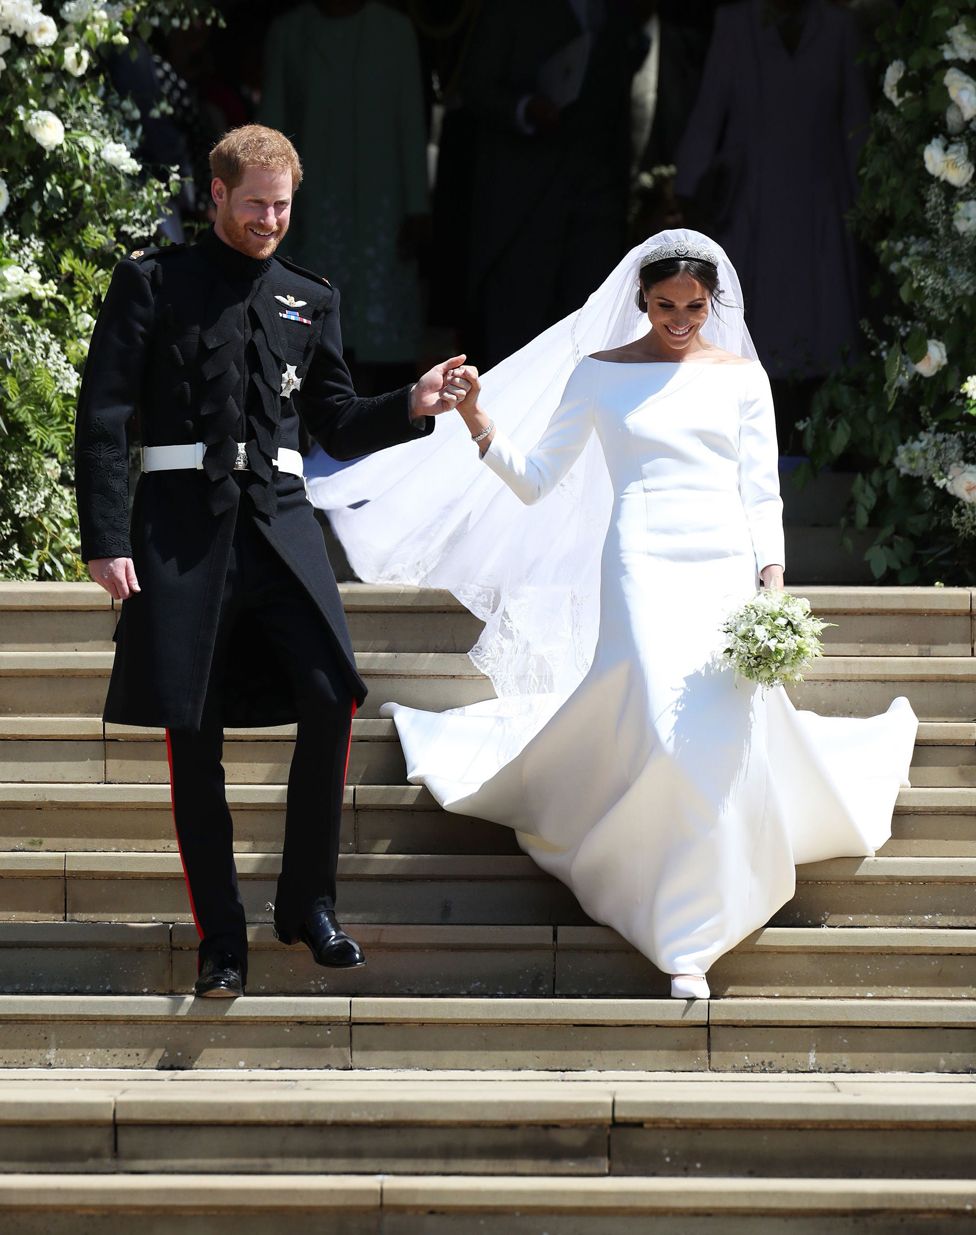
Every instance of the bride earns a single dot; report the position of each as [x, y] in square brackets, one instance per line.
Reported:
[673, 798]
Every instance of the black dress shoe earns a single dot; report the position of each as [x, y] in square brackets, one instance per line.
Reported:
[221, 977]
[327, 941]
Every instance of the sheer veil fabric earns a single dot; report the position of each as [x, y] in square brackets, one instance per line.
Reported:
[431, 514]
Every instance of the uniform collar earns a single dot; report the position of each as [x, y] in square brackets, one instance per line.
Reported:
[235, 265]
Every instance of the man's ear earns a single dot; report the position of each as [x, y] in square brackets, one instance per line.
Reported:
[218, 190]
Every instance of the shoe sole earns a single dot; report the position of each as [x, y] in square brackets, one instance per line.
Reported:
[219, 992]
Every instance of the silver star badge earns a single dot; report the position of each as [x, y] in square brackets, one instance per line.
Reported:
[291, 302]
[290, 381]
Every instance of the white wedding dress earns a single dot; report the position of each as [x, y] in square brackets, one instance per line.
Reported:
[673, 798]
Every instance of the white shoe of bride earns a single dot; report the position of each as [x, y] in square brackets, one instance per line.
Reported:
[689, 986]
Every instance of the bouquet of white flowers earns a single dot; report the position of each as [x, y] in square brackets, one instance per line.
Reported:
[773, 638]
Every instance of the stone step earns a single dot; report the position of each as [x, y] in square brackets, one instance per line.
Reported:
[365, 1123]
[462, 889]
[50, 958]
[81, 749]
[870, 620]
[65, 1204]
[939, 687]
[58, 817]
[80, 617]
[165, 1032]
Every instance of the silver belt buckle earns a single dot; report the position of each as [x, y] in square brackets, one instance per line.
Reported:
[240, 463]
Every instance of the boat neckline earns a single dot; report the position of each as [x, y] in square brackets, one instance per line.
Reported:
[694, 364]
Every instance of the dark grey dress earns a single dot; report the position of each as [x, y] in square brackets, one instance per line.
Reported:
[776, 136]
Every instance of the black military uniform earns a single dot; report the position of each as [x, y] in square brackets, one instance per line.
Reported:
[239, 620]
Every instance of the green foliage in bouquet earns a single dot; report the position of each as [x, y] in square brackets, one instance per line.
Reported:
[773, 638]
[917, 210]
[72, 199]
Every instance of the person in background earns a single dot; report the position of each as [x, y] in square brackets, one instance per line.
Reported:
[769, 163]
[343, 79]
[549, 83]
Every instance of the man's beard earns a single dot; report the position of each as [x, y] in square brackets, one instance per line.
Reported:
[253, 245]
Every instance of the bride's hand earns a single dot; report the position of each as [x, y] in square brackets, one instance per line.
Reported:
[469, 377]
[772, 578]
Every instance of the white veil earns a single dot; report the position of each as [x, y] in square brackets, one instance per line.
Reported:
[430, 513]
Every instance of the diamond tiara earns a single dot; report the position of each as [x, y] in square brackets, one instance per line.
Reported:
[668, 252]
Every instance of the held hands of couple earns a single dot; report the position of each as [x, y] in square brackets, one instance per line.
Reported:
[772, 578]
[441, 389]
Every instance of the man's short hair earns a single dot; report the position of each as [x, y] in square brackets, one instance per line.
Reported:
[254, 145]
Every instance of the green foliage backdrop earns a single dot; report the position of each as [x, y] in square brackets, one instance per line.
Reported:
[901, 413]
[72, 197]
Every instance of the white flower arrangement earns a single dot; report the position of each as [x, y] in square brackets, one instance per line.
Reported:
[964, 217]
[76, 59]
[893, 75]
[962, 91]
[961, 45]
[117, 155]
[947, 460]
[934, 359]
[772, 638]
[71, 201]
[45, 128]
[949, 163]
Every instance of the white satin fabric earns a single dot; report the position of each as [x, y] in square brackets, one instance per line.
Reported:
[674, 799]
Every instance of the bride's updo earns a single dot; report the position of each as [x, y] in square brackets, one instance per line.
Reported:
[705, 273]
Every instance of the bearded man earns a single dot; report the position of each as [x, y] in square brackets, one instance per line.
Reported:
[230, 610]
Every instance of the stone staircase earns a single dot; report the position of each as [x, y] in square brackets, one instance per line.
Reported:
[502, 1066]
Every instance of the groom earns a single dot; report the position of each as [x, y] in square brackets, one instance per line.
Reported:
[231, 613]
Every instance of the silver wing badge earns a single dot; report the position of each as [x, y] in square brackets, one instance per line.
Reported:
[291, 302]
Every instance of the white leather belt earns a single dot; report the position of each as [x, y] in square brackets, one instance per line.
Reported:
[190, 456]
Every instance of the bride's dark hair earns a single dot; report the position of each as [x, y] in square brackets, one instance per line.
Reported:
[656, 272]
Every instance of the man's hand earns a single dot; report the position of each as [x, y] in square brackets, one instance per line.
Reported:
[117, 575]
[439, 390]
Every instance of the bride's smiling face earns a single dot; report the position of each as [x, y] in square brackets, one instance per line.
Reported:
[677, 308]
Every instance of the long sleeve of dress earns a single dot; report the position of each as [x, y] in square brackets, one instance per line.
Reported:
[345, 425]
[759, 471]
[534, 475]
[109, 399]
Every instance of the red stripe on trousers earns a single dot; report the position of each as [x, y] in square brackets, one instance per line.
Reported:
[172, 798]
[345, 770]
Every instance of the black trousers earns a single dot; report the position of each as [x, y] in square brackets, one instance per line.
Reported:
[260, 586]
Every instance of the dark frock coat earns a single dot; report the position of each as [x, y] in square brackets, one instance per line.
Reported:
[186, 339]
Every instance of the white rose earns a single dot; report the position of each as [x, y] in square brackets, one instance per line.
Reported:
[964, 218]
[17, 16]
[955, 122]
[961, 45]
[42, 32]
[3, 64]
[4, 44]
[86, 323]
[76, 11]
[962, 482]
[893, 75]
[117, 155]
[935, 157]
[962, 91]
[45, 128]
[933, 360]
[5, 196]
[76, 59]
[957, 168]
